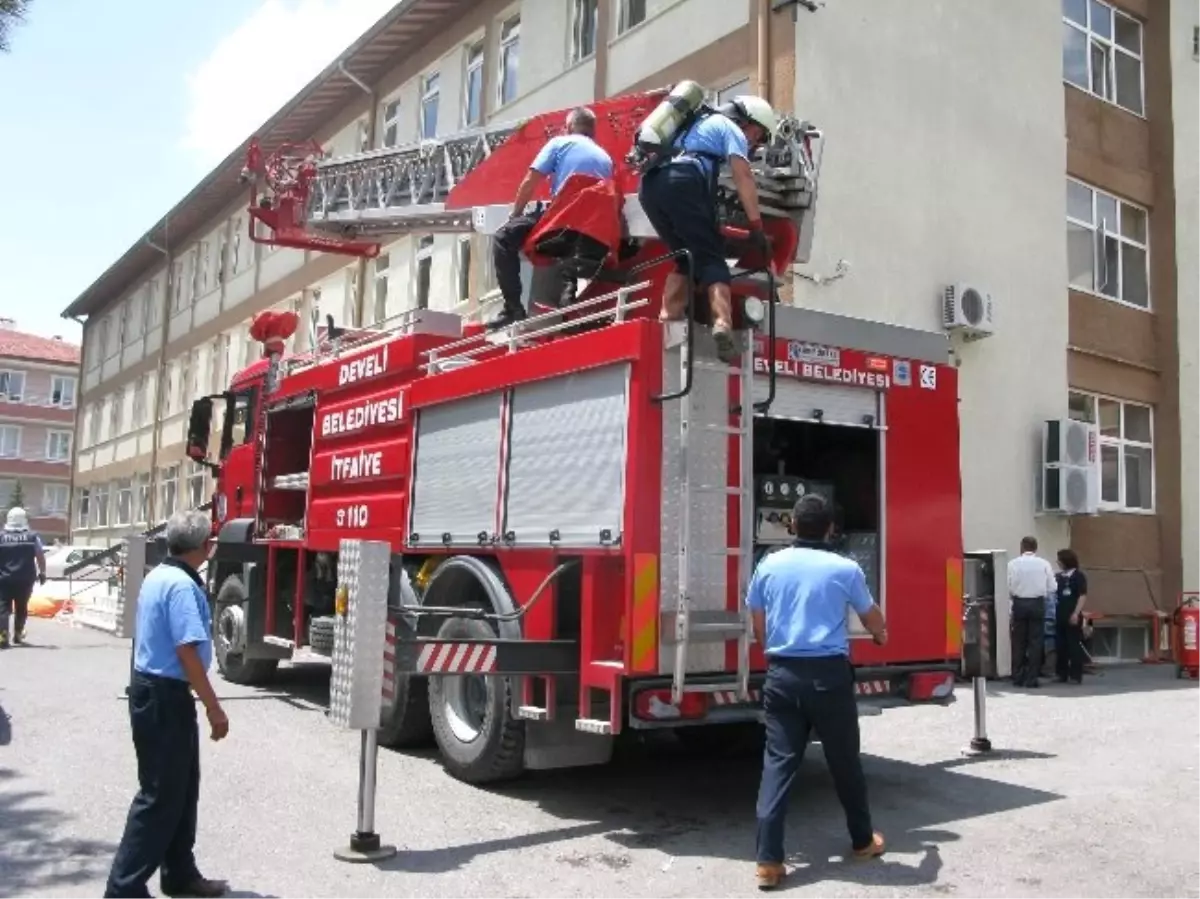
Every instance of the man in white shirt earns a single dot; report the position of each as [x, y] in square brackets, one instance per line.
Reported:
[1030, 581]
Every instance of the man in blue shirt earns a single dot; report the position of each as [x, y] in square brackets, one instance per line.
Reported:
[171, 657]
[22, 562]
[573, 153]
[679, 197]
[798, 601]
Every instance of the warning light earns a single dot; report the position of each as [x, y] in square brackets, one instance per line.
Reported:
[341, 600]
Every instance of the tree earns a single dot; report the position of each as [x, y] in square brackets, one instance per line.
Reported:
[12, 12]
[17, 497]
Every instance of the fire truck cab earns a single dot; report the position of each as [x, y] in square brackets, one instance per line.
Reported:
[575, 504]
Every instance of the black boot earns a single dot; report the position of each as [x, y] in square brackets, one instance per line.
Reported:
[509, 315]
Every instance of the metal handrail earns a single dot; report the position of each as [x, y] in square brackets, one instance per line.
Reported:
[105, 555]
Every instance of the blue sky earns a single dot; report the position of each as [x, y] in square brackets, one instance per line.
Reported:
[111, 111]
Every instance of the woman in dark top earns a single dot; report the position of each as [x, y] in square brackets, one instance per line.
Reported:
[1068, 630]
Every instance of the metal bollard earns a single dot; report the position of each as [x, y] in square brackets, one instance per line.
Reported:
[365, 845]
[980, 743]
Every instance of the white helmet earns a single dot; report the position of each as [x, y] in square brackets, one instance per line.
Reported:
[17, 519]
[759, 111]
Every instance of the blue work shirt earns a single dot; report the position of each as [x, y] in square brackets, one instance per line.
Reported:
[716, 135]
[18, 556]
[571, 154]
[172, 611]
[804, 592]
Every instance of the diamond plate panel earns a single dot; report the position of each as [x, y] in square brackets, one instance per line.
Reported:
[708, 465]
[356, 686]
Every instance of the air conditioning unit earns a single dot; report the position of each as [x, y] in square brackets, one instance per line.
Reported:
[1070, 474]
[967, 310]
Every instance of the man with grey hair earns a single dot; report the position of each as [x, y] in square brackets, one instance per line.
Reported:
[573, 153]
[171, 656]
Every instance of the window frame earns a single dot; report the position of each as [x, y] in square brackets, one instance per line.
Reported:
[61, 403]
[101, 505]
[379, 280]
[61, 489]
[462, 268]
[1120, 443]
[83, 508]
[509, 38]
[423, 259]
[124, 493]
[68, 436]
[169, 477]
[1093, 228]
[12, 374]
[431, 93]
[16, 451]
[624, 15]
[1111, 48]
[578, 50]
[389, 121]
[473, 66]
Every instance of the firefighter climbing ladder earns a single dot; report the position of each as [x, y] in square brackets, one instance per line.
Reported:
[701, 613]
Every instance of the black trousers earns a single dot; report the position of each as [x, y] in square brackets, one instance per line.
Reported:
[1068, 646]
[801, 695]
[677, 199]
[506, 256]
[161, 828]
[1028, 630]
[14, 600]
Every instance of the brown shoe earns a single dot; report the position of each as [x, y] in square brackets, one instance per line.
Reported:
[769, 876]
[201, 888]
[873, 849]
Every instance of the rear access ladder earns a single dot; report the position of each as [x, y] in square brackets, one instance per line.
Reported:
[707, 443]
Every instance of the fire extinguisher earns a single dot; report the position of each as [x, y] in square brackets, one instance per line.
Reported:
[1187, 640]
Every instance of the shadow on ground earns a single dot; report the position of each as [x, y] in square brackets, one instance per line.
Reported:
[32, 858]
[1109, 680]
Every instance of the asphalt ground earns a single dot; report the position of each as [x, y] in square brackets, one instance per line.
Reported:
[1092, 791]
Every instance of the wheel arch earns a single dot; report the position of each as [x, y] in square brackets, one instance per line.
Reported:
[461, 580]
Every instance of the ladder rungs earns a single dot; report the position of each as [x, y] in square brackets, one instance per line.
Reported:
[730, 370]
[724, 429]
[712, 488]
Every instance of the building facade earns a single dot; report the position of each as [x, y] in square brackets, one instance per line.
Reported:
[966, 145]
[39, 386]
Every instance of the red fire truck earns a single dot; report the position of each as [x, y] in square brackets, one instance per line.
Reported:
[576, 502]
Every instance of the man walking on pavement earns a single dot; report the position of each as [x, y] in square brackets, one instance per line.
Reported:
[172, 653]
[573, 153]
[798, 598]
[22, 562]
[1030, 581]
[679, 197]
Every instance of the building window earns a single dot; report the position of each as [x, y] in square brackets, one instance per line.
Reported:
[725, 94]
[12, 386]
[1107, 245]
[10, 441]
[55, 499]
[180, 298]
[62, 392]
[380, 294]
[391, 123]
[510, 57]
[94, 424]
[464, 269]
[143, 499]
[83, 508]
[196, 486]
[473, 86]
[633, 12]
[8, 487]
[101, 506]
[124, 501]
[430, 94]
[150, 306]
[58, 446]
[116, 414]
[1126, 449]
[168, 491]
[424, 270]
[583, 29]
[1102, 52]
[200, 262]
[139, 402]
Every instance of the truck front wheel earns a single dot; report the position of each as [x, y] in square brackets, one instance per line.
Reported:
[229, 637]
[480, 741]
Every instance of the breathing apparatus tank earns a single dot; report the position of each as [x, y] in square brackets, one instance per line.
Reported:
[659, 129]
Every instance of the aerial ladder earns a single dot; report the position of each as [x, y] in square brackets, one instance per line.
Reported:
[303, 199]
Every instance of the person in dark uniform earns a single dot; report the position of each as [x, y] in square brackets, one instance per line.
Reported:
[1030, 581]
[22, 564]
[797, 599]
[1068, 623]
[679, 197]
[172, 654]
[573, 153]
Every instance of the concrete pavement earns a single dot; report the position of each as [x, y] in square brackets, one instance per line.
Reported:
[1093, 792]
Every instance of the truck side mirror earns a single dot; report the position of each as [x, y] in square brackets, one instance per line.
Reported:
[199, 425]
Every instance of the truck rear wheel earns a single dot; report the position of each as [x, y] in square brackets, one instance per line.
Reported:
[405, 722]
[480, 741]
[229, 637]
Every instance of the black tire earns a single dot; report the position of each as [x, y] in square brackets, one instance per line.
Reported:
[321, 635]
[740, 738]
[405, 722]
[497, 751]
[235, 667]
